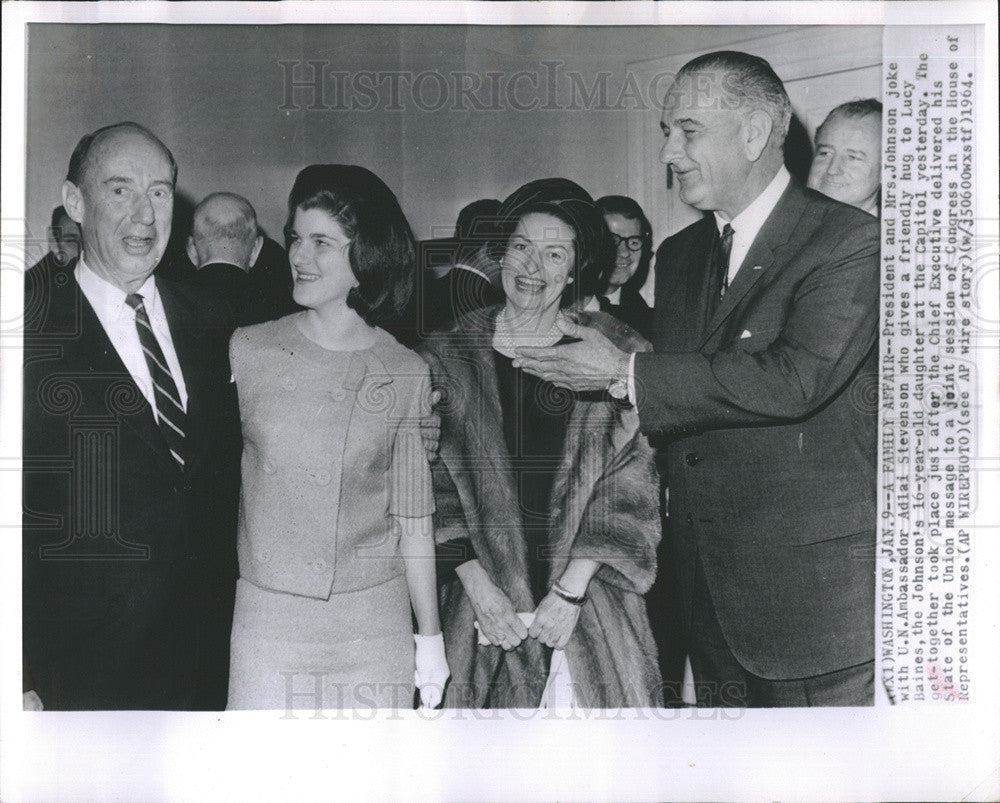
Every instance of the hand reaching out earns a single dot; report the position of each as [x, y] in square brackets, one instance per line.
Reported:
[590, 364]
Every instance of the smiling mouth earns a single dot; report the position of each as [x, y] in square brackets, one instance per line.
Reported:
[528, 285]
[138, 245]
[306, 277]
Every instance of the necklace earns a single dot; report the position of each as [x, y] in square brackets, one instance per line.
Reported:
[507, 340]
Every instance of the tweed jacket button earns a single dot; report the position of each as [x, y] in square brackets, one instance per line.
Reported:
[288, 383]
[263, 556]
[269, 467]
[692, 459]
[322, 478]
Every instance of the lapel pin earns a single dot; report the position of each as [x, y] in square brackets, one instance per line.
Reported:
[758, 267]
[746, 334]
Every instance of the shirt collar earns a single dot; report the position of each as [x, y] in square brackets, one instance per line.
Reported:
[109, 297]
[750, 221]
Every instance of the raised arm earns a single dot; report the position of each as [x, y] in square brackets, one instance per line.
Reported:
[830, 326]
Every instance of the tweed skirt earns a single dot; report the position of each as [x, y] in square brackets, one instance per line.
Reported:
[353, 650]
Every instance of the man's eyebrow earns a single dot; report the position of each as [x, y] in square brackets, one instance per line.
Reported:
[127, 180]
[679, 122]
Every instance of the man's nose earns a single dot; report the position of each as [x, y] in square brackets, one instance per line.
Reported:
[836, 166]
[143, 211]
[670, 151]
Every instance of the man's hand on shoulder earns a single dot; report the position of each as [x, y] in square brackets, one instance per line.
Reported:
[591, 364]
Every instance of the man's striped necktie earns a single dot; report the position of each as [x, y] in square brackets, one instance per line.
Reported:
[169, 411]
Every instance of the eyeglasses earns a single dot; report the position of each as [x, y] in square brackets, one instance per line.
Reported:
[633, 243]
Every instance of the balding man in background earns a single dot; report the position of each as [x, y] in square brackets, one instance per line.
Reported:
[224, 244]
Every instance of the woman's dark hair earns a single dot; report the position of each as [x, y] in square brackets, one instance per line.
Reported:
[570, 203]
[630, 210]
[382, 252]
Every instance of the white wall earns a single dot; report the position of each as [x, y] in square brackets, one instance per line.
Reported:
[214, 95]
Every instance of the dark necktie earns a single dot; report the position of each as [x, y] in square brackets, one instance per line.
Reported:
[725, 249]
[169, 411]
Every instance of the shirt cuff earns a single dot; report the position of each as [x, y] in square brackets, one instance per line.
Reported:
[631, 379]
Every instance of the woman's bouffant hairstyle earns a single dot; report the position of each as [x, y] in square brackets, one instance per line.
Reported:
[570, 203]
[630, 210]
[382, 251]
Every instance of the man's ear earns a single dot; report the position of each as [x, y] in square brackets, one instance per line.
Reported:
[73, 201]
[257, 245]
[192, 252]
[756, 131]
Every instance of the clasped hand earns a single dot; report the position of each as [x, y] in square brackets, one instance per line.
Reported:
[499, 623]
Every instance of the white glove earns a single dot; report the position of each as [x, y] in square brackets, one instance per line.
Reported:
[432, 669]
[32, 702]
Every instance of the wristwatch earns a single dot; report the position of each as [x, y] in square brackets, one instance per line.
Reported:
[618, 386]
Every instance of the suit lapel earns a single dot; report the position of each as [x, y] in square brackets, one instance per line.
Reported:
[680, 309]
[99, 358]
[765, 254]
[183, 331]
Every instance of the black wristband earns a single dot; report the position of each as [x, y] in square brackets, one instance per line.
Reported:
[563, 594]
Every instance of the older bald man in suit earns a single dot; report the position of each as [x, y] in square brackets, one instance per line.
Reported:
[131, 455]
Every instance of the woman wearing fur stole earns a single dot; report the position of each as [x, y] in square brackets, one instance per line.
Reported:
[547, 519]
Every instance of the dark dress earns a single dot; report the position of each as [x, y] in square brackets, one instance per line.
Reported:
[535, 414]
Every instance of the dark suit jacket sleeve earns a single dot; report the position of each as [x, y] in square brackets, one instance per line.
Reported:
[828, 328]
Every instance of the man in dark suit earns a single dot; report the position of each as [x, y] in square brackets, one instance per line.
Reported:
[470, 275]
[63, 240]
[763, 381]
[131, 455]
[224, 244]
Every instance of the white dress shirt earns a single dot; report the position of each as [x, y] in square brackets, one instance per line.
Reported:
[118, 320]
[748, 223]
[746, 226]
